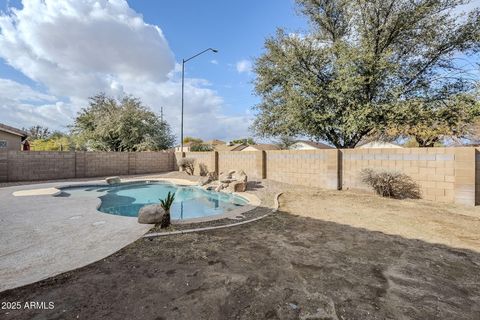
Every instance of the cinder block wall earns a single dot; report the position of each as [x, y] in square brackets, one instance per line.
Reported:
[444, 174]
[49, 165]
[314, 168]
[206, 158]
[465, 176]
[39, 165]
[151, 162]
[438, 171]
[3, 166]
[477, 176]
[252, 162]
[99, 164]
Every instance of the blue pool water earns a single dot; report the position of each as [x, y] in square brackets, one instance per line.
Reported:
[127, 199]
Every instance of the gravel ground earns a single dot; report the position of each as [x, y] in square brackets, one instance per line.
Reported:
[285, 266]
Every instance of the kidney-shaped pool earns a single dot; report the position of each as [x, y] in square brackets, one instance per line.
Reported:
[127, 199]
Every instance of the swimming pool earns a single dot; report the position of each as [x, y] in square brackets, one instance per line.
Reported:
[127, 199]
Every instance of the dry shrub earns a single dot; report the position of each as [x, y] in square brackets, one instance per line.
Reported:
[203, 169]
[391, 184]
[187, 165]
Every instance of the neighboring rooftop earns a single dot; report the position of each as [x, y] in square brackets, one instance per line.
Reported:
[378, 145]
[12, 130]
[215, 142]
[261, 147]
[226, 147]
[312, 144]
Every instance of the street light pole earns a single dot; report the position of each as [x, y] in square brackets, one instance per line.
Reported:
[181, 123]
[183, 87]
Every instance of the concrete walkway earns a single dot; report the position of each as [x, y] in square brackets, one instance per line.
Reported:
[41, 236]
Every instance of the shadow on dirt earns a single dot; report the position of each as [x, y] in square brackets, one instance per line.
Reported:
[281, 267]
[254, 185]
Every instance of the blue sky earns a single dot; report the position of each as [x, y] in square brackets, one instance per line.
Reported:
[54, 54]
[236, 28]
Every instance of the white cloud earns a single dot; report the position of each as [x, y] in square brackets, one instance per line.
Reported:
[213, 61]
[244, 66]
[76, 49]
[15, 91]
[21, 106]
[73, 45]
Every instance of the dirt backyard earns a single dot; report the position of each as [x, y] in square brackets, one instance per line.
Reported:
[449, 224]
[324, 255]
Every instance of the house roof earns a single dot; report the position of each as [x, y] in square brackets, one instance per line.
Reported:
[12, 130]
[188, 144]
[215, 142]
[226, 147]
[379, 144]
[265, 146]
[317, 145]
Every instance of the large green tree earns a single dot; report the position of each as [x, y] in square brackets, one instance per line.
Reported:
[193, 140]
[125, 125]
[428, 122]
[359, 64]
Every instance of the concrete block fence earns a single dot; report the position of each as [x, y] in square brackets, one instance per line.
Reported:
[446, 175]
[50, 165]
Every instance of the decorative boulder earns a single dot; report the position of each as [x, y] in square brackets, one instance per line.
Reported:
[210, 177]
[221, 186]
[240, 175]
[237, 186]
[238, 183]
[232, 181]
[113, 180]
[226, 177]
[151, 214]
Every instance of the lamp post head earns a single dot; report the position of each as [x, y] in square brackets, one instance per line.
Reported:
[214, 50]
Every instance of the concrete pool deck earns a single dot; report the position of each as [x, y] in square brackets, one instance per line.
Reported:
[42, 236]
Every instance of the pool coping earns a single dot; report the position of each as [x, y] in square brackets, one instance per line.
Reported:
[234, 224]
[253, 201]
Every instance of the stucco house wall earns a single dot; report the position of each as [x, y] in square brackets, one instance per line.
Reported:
[10, 142]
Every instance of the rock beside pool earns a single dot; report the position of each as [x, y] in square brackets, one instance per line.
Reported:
[151, 214]
[211, 176]
[237, 186]
[113, 180]
[240, 175]
[226, 177]
[221, 186]
[233, 181]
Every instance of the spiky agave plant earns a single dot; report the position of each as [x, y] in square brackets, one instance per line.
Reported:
[166, 204]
